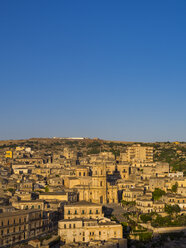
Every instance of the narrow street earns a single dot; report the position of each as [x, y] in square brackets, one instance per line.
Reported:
[118, 211]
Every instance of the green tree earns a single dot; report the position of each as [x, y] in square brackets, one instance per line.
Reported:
[175, 187]
[157, 194]
[171, 209]
[11, 190]
[145, 236]
[46, 189]
[145, 217]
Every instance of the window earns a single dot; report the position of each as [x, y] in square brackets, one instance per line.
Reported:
[69, 225]
[90, 212]
[8, 222]
[65, 226]
[84, 174]
[74, 226]
[99, 233]
[97, 211]
[75, 211]
[83, 211]
[79, 173]
[101, 184]
[68, 211]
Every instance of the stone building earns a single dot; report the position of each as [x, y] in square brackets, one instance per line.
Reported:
[124, 170]
[23, 195]
[110, 168]
[136, 153]
[158, 206]
[32, 204]
[107, 155]
[126, 184]
[26, 186]
[60, 196]
[181, 191]
[157, 170]
[69, 153]
[144, 204]
[132, 194]
[81, 171]
[21, 225]
[83, 210]
[172, 199]
[71, 182]
[98, 190]
[86, 230]
[158, 182]
[55, 181]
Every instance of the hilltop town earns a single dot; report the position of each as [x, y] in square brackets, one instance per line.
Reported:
[69, 192]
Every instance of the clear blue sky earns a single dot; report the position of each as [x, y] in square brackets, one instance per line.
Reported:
[93, 68]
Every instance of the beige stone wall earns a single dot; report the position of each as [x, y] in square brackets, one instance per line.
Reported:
[145, 206]
[83, 211]
[71, 182]
[112, 194]
[169, 229]
[131, 195]
[81, 172]
[28, 205]
[19, 225]
[53, 197]
[157, 183]
[79, 231]
[123, 170]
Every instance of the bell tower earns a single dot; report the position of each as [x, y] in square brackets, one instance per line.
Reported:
[99, 183]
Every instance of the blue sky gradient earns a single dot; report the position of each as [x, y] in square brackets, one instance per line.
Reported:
[107, 69]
